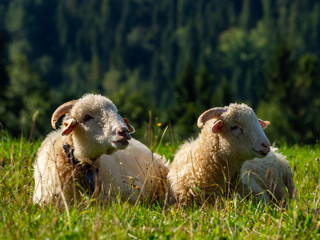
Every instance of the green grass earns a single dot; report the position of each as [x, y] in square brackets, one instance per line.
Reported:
[228, 219]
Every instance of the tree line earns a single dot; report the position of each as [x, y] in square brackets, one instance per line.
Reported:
[168, 59]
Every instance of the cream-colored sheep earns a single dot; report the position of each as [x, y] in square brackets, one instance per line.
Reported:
[65, 164]
[210, 164]
[269, 178]
[134, 173]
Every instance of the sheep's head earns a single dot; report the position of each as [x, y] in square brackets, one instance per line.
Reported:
[95, 124]
[240, 128]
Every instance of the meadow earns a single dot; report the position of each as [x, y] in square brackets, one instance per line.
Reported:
[233, 218]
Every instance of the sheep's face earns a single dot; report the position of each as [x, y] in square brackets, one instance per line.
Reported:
[96, 127]
[242, 131]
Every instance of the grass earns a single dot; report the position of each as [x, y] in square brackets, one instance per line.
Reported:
[234, 218]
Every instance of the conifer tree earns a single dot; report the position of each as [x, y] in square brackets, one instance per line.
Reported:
[25, 98]
[183, 112]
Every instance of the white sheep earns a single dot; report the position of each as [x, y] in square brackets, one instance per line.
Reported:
[134, 173]
[210, 164]
[269, 178]
[65, 164]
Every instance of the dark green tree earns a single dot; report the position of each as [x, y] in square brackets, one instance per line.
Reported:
[306, 101]
[3, 62]
[3, 77]
[292, 98]
[27, 109]
[183, 113]
[205, 87]
[223, 94]
[275, 106]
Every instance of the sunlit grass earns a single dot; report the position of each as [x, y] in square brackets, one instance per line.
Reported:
[234, 218]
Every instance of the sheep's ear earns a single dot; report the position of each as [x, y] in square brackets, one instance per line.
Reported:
[131, 129]
[217, 126]
[68, 126]
[264, 124]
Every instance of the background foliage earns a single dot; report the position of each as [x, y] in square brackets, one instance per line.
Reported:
[173, 57]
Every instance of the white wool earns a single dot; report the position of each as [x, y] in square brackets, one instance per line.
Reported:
[269, 178]
[53, 172]
[133, 172]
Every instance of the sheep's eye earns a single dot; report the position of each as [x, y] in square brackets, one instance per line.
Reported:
[234, 127]
[236, 130]
[87, 118]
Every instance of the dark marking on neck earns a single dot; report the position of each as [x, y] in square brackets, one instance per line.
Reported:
[87, 174]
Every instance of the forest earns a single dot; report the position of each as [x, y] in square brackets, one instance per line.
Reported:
[162, 61]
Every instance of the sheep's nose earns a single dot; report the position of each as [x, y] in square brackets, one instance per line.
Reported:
[123, 132]
[265, 147]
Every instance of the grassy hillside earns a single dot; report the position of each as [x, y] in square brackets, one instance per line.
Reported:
[229, 219]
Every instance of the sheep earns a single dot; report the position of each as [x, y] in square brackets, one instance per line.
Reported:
[210, 164]
[65, 165]
[269, 178]
[135, 173]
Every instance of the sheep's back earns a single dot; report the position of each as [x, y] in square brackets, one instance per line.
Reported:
[45, 168]
[271, 173]
[132, 172]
